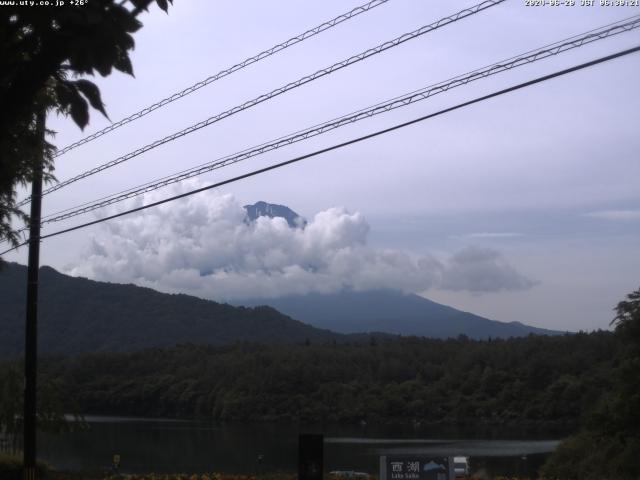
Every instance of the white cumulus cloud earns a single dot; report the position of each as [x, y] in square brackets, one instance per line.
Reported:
[203, 245]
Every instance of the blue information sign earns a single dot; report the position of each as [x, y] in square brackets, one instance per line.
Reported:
[416, 467]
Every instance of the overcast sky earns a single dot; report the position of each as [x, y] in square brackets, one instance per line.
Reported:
[525, 207]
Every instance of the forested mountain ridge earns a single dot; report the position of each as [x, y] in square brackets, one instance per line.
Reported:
[529, 380]
[79, 315]
[391, 312]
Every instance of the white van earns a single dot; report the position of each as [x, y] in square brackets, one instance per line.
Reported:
[461, 467]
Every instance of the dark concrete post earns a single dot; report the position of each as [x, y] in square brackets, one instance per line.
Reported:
[31, 330]
[310, 457]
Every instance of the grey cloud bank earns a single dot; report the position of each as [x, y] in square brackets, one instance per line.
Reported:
[624, 215]
[479, 270]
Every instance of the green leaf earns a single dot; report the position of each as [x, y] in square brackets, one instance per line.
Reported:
[64, 93]
[71, 102]
[91, 93]
[80, 111]
[123, 63]
[125, 19]
[141, 4]
[103, 65]
[163, 4]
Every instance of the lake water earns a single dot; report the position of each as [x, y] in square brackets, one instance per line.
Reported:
[169, 446]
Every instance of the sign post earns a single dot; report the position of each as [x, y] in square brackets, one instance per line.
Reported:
[310, 457]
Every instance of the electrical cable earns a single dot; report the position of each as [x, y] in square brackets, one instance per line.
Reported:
[226, 72]
[274, 93]
[397, 102]
[344, 144]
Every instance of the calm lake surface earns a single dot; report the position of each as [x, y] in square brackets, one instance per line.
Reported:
[170, 446]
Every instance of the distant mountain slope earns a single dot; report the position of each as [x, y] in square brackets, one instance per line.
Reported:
[272, 210]
[391, 312]
[79, 315]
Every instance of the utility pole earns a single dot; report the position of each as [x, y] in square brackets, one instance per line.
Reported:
[31, 331]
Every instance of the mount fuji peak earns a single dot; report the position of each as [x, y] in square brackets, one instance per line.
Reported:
[271, 210]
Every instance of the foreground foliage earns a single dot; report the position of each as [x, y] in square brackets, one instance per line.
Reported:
[50, 412]
[205, 476]
[11, 468]
[42, 52]
[608, 444]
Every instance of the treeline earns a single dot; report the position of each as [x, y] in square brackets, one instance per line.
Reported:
[521, 380]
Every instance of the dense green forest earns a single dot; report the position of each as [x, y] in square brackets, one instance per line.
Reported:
[532, 379]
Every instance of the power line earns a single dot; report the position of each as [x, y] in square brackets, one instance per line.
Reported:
[560, 46]
[397, 102]
[274, 93]
[344, 144]
[227, 71]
